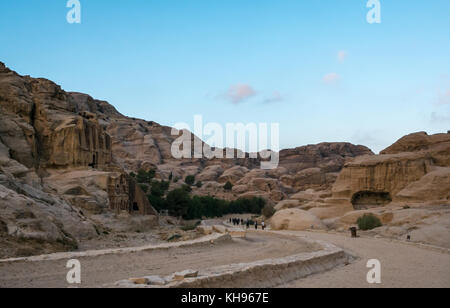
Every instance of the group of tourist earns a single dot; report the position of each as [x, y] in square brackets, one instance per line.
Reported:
[247, 223]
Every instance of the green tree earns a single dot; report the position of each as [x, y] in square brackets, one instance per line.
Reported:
[178, 201]
[190, 180]
[144, 188]
[368, 222]
[145, 177]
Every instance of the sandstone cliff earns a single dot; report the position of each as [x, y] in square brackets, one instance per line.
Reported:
[46, 132]
[414, 162]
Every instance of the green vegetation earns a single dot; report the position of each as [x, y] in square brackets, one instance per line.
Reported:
[199, 184]
[144, 188]
[180, 203]
[228, 186]
[368, 222]
[190, 180]
[145, 177]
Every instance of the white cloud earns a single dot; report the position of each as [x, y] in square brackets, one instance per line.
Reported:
[331, 78]
[239, 92]
[342, 55]
[274, 98]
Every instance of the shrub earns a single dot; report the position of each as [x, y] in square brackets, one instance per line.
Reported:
[144, 188]
[165, 185]
[199, 184]
[190, 180]
[177, 202]
[186, 188]
[170, 176]
[228, 186]
[132, 174]
[158, 203]
[368, 222]
[145, 177]
[156, 189]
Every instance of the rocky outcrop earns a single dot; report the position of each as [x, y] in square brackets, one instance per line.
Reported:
[317, 166]
[295, 219]
[56, 145]
[44, 127]
[395, 176]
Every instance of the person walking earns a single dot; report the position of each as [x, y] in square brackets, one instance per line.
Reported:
[256, 225]
[248, 223]
[263, 224]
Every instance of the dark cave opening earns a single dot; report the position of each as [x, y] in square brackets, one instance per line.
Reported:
[369, 199]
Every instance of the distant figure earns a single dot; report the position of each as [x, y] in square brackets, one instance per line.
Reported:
[353, 232]
[256, 225]
[248, 223]
[263, 225]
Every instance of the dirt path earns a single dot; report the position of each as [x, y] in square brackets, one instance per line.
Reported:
[100, 270]
[402, 265]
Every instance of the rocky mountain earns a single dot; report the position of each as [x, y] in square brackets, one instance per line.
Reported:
[65, 160]
[407, 187]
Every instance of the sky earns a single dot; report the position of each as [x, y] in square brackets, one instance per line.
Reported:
[316, 67]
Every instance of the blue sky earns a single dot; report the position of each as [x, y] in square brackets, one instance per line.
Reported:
[316, 67]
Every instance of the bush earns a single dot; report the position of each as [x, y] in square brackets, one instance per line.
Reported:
[144, 188]
[368, 222]
[159, 189]
[228, 186]
[145, 177]
[180, 203]
[268, 211]
[158, 203]
[199, 184]
[190, 180]
[165, 185]
[186, 188]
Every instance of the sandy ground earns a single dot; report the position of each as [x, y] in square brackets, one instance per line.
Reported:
[100, 270]
[402, 265]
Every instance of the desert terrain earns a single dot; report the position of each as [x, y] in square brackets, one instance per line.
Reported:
[77, 176]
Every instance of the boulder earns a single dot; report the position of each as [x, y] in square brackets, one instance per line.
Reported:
[295, 219]
[287, 204]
